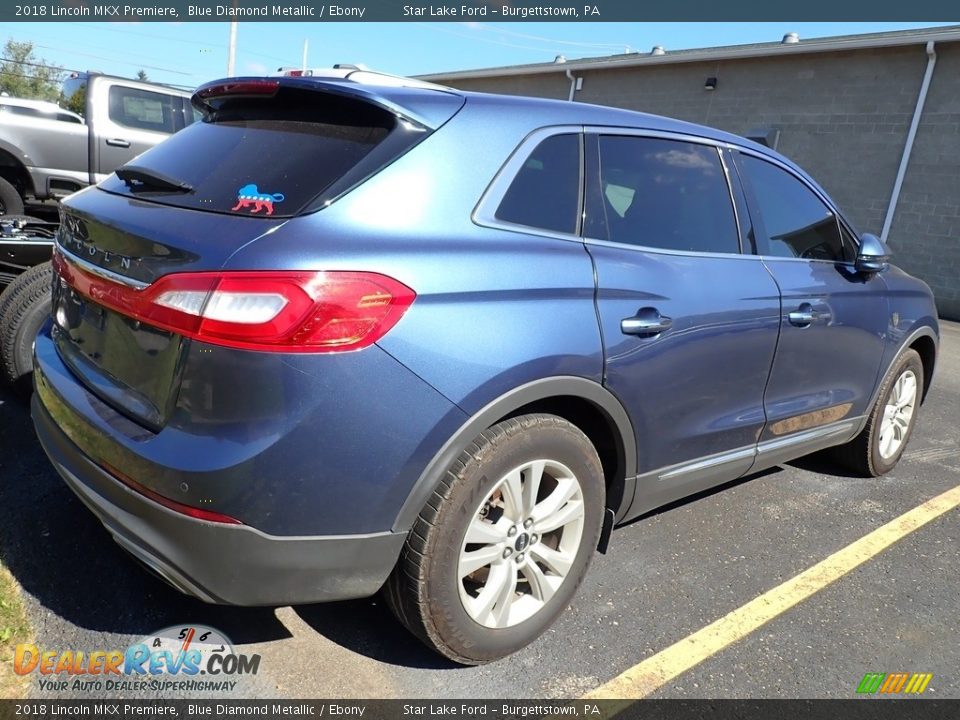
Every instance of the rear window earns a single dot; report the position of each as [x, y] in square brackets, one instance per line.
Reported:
[272, 157]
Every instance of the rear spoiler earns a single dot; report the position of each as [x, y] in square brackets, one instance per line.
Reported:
[428, 107]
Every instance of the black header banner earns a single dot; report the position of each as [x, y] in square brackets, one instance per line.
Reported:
[474, 10]
[584, 709]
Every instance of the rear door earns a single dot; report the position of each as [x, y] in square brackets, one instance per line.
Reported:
[834, 319]
[689, 321]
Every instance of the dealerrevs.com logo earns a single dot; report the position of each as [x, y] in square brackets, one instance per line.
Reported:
[180, 658]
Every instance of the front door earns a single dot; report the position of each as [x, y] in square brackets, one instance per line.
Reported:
[833, 322]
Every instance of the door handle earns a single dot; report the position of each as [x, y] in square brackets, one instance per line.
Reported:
[647, 322]
[118, 142]
[806, 315]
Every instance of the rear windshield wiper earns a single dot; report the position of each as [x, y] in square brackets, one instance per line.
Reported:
[140, 179]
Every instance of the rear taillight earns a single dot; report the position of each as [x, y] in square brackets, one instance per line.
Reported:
[315, 312]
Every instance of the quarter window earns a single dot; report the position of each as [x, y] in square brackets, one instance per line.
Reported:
[665, 194]
[545, 193]
[798, 223]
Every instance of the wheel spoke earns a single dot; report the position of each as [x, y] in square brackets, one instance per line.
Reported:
[566, 488]
[513, 496]
[482, 532]
[542, 586]
[573, 510]
[492, 605]
[531, 486]
[908, 391]
[886, 440]
[475, 559]
[558, 562]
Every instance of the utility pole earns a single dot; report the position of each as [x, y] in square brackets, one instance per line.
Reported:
[232, 51]
[306, 43]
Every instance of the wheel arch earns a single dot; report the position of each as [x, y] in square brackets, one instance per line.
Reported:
[583, 402]
[15, 172]
[926, 348]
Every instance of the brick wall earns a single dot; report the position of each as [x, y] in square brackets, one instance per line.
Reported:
[842, 116]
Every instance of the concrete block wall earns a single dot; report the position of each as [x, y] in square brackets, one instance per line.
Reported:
[843, 116]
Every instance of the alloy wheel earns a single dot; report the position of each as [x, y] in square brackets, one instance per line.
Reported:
[520, 544]
[897, 414]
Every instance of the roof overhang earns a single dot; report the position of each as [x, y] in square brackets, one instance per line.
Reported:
[733, 52]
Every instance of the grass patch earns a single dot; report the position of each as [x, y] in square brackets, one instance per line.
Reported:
[14, 629]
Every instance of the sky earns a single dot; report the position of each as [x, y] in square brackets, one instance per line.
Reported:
[189, 54]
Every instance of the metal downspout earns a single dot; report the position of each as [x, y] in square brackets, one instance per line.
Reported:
[911, 136]
[573, 84]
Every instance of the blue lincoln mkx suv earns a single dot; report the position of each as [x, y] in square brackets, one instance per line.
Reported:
[346, 335]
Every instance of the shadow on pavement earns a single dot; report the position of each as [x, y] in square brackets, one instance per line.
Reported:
[823, 463]
[369, 628]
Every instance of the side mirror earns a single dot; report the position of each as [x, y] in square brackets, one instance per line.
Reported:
[874, 255]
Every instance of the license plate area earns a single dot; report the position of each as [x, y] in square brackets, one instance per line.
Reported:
[132, 366]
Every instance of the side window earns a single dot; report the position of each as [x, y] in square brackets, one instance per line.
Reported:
[798, 223]
[142, 109]
[664, 194]
[545, 193]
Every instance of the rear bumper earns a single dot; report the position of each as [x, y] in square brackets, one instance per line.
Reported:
[218, 563]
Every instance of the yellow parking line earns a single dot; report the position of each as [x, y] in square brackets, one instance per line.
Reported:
[657, 670]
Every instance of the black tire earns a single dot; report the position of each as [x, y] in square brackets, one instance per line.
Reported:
[10, 201]
[862, 454]
[424, 589]
[24, 306]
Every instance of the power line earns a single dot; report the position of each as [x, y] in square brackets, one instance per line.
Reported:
[39, 65]
[192, 42]
[122, 62]
[30, 77]
[73, 44]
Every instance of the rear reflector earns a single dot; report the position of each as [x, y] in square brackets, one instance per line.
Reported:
[178, 507]
[312, 312]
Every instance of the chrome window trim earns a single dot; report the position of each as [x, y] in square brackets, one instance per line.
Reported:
[484, 214]
[663, 251]
[733, 200]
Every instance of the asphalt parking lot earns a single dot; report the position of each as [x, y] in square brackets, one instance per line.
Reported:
[665, 577]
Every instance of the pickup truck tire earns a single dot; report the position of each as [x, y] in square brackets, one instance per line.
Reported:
[10, 201]
[24, 306]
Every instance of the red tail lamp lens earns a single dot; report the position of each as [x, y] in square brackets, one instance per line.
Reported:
[315, 312]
